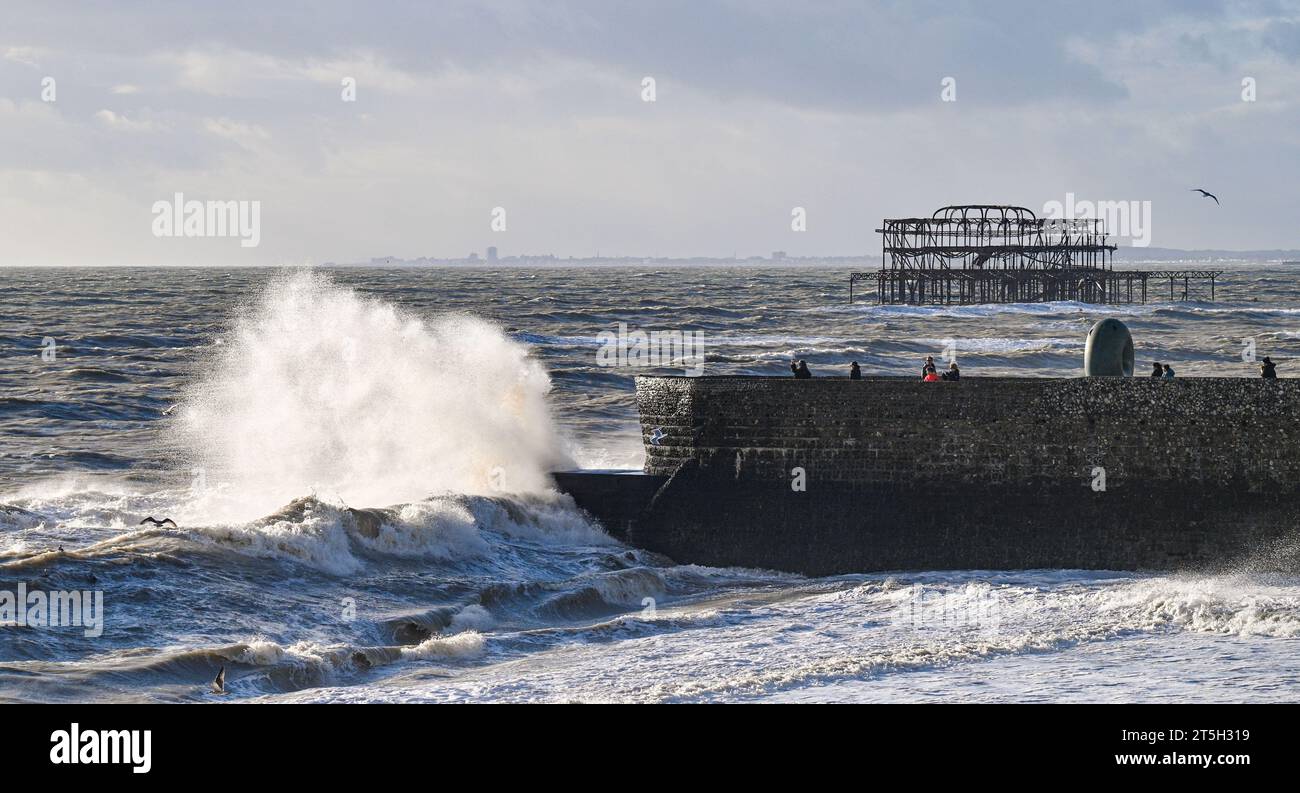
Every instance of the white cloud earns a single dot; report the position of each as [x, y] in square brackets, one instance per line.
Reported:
[121, 123]
[235, 130]
[28, 56]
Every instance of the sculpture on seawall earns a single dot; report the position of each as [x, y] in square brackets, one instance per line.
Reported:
[1108, 352]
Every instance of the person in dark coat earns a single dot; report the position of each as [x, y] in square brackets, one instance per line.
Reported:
[1157, 371]
[802, 373]
[953, 374]
[1268, 369]
[855, 371]
[794, 369]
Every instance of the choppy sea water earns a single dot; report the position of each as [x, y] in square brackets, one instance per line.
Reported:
[254, 407]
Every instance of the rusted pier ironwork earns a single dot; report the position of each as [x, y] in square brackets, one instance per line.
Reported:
[1187, 277]
[983, 253]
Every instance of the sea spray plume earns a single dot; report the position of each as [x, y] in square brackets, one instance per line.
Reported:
[317, 388]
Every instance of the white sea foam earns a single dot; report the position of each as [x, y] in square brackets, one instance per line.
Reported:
[260, 652]
[317, 538]
[469, 644]
[471, 618]
[1228, 605]
[1004, 345]
[443, 528]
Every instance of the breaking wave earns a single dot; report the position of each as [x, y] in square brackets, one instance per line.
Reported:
[318, 389]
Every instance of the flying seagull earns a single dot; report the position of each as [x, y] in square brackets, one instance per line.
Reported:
[156, 522]
[219, 682]
[1205, 194]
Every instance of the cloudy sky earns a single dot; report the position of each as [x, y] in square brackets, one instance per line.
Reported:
[537, 107]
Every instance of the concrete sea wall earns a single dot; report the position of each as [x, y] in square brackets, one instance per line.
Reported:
[832, 475]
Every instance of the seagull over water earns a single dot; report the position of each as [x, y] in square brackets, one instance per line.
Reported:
[1205, 194]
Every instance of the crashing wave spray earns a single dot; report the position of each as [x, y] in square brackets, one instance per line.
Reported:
[318, 388]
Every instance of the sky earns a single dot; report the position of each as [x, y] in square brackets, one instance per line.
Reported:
[461, 110]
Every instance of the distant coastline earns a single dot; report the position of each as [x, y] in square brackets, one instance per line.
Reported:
[1125, 255]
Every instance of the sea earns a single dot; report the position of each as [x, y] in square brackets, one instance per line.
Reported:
[249, 410]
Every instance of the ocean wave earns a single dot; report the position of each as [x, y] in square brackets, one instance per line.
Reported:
[470, 644]
[990, 310]
[261, 665]
[16, 518]
[337, 539]
[1228, 605]
[604, 592]
[94, 375]
[542, 339]
[299, 665]
[1192, 310]
[970, 621]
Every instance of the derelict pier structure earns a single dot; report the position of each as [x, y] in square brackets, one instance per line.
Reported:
[984, 253]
